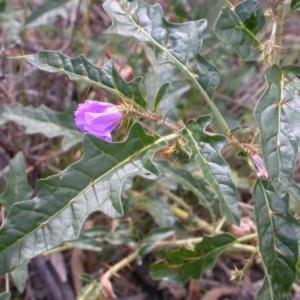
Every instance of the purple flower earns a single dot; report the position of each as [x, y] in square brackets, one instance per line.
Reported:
[98, 118]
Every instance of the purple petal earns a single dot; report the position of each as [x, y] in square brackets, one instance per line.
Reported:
[98, 118]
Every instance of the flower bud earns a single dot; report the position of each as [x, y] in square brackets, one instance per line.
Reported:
[98, 118]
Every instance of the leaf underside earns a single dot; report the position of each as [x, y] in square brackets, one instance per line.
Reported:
[92, 184]
[280, 106]
[239, 27]
[278, 245]
[176, 43]
[182, 264]
[205, 149]
[45, 121]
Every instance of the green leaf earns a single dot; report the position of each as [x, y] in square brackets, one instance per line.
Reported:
[295, 4]
[205, 150]
[160, 94]
[97, 231]
[86, 277]
[159, 234]
[17, 188]
[5, 296]
[280, 107]
[189, 183]
[182, 264]
[79, 68]
[239, 27]
[65, 200]
[46, 11]
[176, 43]
[155, 235]
[265, 292]
[277, 230]
[20, 275]
[159, 211]
[45, 121]
[86, 243]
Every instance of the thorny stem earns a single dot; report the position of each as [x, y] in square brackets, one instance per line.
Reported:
[282, 13]
[121, 264]
[169, 245]
[276, 39]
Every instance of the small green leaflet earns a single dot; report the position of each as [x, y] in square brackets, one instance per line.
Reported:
[160, 94]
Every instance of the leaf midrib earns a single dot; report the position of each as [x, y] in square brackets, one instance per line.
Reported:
[82, 192]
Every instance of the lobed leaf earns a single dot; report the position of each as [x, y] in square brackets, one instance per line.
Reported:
[182, 264]
[176, 43]
[65, 200]
[79, 68]
[17, 188]
[45, 121]
[277, 230]
[205, 150]
[279, 106]
[239, 27]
